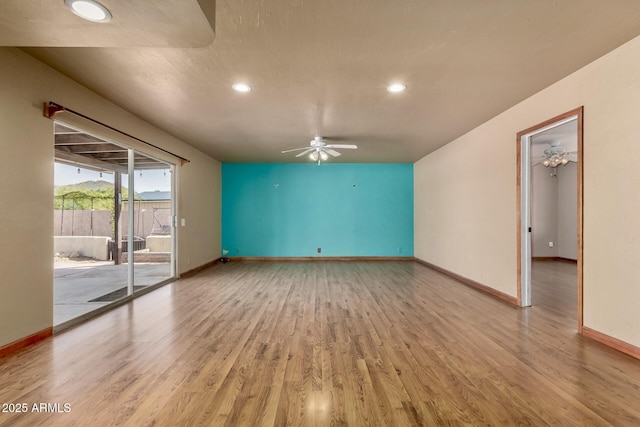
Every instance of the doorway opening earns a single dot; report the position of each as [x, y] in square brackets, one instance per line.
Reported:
[114, 224]
[549, 213]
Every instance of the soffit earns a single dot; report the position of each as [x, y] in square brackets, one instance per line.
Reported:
[157, 23]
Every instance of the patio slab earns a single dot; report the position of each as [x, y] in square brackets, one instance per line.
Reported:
[77, 282]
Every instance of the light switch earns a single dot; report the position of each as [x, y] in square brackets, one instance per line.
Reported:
[183, 222]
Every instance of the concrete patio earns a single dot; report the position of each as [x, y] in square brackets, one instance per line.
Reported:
[77, 282]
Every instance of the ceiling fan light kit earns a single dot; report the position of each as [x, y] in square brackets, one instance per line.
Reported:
[555, 156]
[319, 151]
[555, 161]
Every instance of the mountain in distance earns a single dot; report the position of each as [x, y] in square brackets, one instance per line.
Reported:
[84, 187]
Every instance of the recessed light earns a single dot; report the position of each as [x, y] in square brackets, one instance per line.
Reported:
[241, 87]
[397, 87]
[89, 9]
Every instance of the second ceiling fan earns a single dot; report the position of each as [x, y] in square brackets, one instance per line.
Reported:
[555, 155]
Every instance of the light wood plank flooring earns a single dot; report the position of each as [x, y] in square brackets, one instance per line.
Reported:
[328, 343]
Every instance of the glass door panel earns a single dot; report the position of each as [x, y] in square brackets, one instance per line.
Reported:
[153, 222]
[88, 273]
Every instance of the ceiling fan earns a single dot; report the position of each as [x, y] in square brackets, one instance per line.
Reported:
[555, 155]
[318, 149]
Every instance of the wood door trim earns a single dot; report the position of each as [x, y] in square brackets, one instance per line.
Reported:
[579, 112]
[580, 218]
[25, 342]
[519, 218]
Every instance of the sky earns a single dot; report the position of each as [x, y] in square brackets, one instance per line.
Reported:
[150, 180]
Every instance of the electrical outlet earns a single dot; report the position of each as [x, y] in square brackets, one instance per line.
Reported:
[319, 250]
[399, 250]
[550, 244]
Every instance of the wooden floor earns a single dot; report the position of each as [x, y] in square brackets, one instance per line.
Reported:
[328, 343]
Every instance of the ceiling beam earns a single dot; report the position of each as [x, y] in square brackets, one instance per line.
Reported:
[69, 144]
[91, 151]
[77, 138]
[77, 159]
[91, 148]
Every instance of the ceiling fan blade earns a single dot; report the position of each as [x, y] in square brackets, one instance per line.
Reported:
[307, 151]
[346, 146]
[294, 149]
[536, 160]
[334, 153]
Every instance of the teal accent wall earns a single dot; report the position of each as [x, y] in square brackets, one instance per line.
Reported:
[290, 210]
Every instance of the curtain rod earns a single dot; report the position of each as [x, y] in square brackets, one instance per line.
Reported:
[51, 109]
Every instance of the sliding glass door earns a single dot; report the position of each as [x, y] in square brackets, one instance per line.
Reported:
[114, 233]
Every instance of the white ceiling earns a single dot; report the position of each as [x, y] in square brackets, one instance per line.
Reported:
[566, 135]
[321, 68]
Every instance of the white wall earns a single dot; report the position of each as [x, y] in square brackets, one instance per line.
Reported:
[465, 192]
[568, 211]
[544, 212]
[26, 184]
[554, 211]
